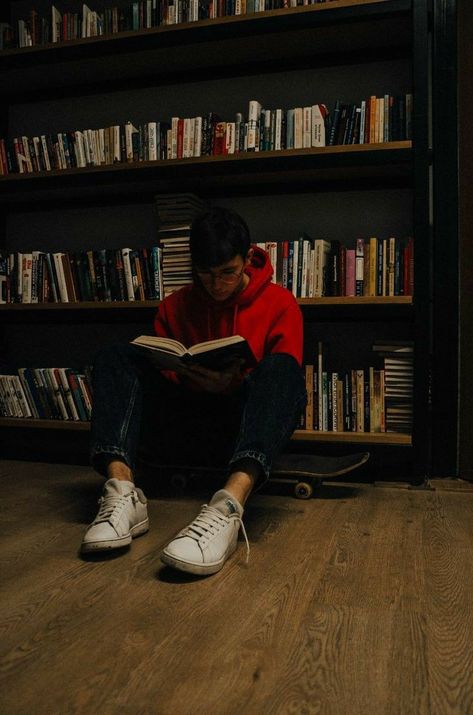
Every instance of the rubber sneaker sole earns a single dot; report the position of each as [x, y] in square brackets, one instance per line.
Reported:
[119, 542]
[197, 569]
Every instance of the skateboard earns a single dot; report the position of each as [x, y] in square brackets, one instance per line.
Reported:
[305, 472]
[308, 471]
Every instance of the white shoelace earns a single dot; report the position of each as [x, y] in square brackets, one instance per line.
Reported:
[209, 522]
[111, 506]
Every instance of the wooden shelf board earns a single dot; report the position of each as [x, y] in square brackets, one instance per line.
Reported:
[29, 423]
[219, 161]
[390, 438]
[299, 435]
[149, 304]
[358, 300]
[295, 170]
[95, 305]
[177, 33]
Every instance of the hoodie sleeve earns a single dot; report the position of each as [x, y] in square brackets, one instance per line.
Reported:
[286, 334]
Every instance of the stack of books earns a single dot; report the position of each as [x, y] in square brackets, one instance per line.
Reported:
[176, 258]
[175, 215]
[177, 209]
[399, 384]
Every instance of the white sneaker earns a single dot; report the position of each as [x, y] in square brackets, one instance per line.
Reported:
[123, 514]
[204, 546]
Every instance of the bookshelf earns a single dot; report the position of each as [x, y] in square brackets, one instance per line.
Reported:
[219, 64]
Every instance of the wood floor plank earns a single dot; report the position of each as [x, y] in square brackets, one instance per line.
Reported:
[448, 558]
[356, 602]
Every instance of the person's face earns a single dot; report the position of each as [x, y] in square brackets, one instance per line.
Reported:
[225, 280]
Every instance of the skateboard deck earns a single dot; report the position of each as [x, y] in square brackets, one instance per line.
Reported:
[308, 471]
[304, 471]
[314, 465]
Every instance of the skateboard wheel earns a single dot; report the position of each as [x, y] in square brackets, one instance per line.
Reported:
[303, 490]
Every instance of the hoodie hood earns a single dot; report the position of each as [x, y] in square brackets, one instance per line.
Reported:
[259, 271]
[222, 316]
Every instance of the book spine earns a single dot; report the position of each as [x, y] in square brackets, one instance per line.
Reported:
[127, 271]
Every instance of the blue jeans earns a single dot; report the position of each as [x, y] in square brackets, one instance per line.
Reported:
[135, 408]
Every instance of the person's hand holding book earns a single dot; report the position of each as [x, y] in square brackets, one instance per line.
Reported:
[222, 382]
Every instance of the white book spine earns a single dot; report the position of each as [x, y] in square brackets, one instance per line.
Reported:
[305, 259]
[80, 149]
[127, 272]
[295, 267]
[186, 135]
[67, 392]
[254, 112]
[198, 136]
[152, 142]
[318, 126]
[306, 127]
[116, 151]
[44, 147]
[56, 19]
[298, 128]
[57, 257]
[129, 131]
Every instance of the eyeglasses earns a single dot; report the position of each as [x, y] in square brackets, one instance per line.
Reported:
[227, 276]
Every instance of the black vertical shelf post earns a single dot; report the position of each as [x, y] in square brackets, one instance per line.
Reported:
[422, 243]
[445, 392]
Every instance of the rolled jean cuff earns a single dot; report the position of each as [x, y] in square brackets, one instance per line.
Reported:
[258, 457]
[101, 455]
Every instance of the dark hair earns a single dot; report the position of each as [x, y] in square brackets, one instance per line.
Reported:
[218, 235]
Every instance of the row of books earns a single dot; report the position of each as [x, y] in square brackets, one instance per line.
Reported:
[373, 399]
[315, 268]
[59, 26]
[53, 393]
[379, 119]
[308, 268]
[358, 400]
[121, 274]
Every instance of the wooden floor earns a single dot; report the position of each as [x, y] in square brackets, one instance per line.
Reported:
[357, 602]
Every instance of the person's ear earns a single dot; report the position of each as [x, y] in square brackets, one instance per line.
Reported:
[249, 256]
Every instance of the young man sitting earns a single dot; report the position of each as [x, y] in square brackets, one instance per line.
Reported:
[239, 417]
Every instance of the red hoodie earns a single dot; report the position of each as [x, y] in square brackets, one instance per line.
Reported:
[264, 313]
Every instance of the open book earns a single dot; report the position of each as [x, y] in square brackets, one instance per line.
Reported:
[168, 354]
